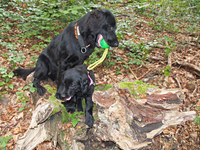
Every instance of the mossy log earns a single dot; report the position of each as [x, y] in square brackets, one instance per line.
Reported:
[46, 120]
[130, 114]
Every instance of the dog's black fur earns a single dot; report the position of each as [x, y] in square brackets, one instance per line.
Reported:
[74, 87]
[64, 49]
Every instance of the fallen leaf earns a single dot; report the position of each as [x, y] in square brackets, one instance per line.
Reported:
[143, 96]
[68, 125]
[78, 127]
[16, 130]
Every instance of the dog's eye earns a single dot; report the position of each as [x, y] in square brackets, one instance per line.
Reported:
[72, 86]
[110, 27]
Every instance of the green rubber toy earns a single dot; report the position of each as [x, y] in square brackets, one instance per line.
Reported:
[104, 44]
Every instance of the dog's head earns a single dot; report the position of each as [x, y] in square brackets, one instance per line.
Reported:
[74, 81]
[101, 24]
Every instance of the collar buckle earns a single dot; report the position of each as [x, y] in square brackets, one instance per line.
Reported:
[83, 50]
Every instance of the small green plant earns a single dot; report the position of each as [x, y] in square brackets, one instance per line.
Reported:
[118, 71]
[22, 95]
[6, 80]
[197, 119]
[137, 52]
[4, 141]
[167, 71]
[109, 63]
[74, 117]
[11, 46]
[34, 59]
[171, 45]
[15, 57]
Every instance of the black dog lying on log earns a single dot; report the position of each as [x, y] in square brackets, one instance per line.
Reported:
[72, 46]
[77, 83]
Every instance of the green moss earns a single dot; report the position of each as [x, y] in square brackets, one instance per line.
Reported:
[52, 99]
[103, 87]
[137, 87]
[50, 89]
[139, 82]
[65, 117]
[129, 85]
[141, 89]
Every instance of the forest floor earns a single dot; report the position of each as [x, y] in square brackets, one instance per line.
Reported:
[154, 71]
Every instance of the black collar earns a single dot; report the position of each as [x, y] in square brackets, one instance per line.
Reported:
[80, 39]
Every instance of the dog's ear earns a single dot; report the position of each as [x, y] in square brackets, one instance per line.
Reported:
[84, 82]
[95, 19]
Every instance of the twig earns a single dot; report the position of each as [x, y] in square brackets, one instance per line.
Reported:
[186, 64]
[169, 56]
[131, 71]
[170, 59]
[176, 79]
[190, 34]
[138, 68]
[196, 86]
[155, 58]
[144, 75]
[159, 46]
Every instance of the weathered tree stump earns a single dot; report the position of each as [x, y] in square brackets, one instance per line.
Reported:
[130, 114]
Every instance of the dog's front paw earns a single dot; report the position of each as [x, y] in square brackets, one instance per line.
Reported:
[41, 90]
[89, 120]
[70, 110]
[79, 109]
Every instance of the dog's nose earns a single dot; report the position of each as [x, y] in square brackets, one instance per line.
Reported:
[63, 95]
[117, 44]
[57, 95]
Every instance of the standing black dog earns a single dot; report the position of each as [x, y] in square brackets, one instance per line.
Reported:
[77, 83]
[72, 46]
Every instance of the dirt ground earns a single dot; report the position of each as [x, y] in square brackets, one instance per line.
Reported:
[183, 136]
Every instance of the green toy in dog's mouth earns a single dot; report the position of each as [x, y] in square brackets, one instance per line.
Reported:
[101, 43]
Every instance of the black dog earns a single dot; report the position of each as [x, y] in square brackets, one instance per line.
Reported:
[77, 83]
[72, 46]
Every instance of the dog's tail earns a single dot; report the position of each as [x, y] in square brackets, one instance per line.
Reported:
[23, 72]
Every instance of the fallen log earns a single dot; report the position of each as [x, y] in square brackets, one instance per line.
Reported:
[130, 114]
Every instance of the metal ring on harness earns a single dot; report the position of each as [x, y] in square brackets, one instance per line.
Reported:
[83, 50]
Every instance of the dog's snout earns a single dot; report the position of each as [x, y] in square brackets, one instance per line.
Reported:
[116, 44]
[60, 95]
[57, 95]
[63, 95]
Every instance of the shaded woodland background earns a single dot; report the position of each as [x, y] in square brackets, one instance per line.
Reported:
[159, 44]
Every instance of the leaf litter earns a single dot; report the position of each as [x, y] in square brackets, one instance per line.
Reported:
[183, 136]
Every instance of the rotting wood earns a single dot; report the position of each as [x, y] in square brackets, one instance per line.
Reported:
[132, 123]
[127, 117]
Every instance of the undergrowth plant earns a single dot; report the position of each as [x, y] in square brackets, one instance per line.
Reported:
[197, 119]
[169, 15]
[74, 117]
[22, 96]
[6, 81]
[167, 71]
[14, 57]
[4, 141]
[170, 46]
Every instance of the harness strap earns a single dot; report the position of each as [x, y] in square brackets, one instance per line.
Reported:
[91, 81]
